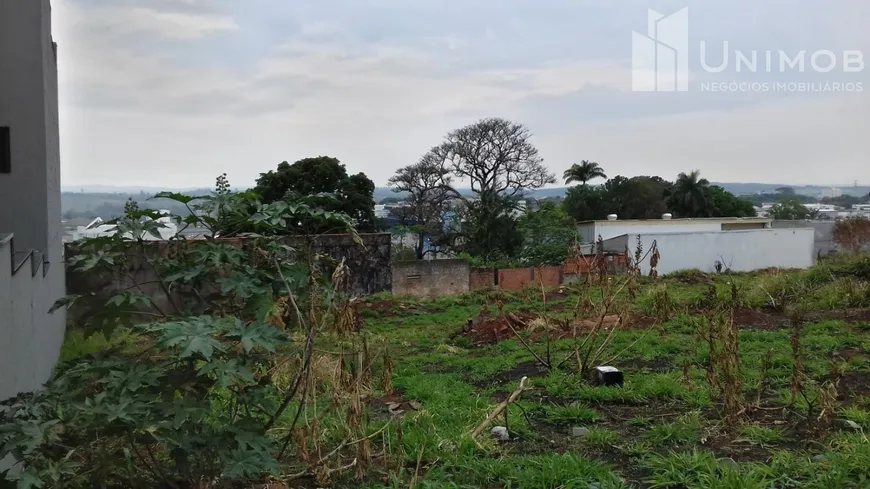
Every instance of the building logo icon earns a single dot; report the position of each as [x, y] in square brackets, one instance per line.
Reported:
[660, 58]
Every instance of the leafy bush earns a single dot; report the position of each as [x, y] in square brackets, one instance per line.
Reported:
[211, 391]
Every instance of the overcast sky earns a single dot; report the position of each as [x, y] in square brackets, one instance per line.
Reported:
[172, 93]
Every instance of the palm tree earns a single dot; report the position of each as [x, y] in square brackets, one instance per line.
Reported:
[690, 194]
[585, 171]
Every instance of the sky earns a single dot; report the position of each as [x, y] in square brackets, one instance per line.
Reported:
[172, 93]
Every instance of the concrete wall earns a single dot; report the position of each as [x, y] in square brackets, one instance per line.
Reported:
[741, 251]
[31, 336]
[431, 278]
[823, 233]
[370, 266]
[589, 231]
[29, 199]
[28, 106]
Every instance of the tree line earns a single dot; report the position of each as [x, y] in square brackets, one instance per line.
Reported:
[498, 161]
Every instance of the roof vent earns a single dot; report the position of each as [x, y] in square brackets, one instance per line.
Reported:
[667, 216]
[611, 217]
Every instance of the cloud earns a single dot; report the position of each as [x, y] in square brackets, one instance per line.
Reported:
[174, 92]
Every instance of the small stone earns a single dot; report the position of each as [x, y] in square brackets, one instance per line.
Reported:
[500, 433]
[853, 425]
[729, 462]
[579, 431]
[415, 405]
[819, 458]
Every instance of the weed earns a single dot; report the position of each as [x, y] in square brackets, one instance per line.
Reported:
[686, 430]
[573, 414]
[760, 435]
[601, 437]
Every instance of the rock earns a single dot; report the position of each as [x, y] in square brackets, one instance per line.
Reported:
[729, 462]
[500, 433]
[853, 425]
[415, 405]
[819, 458]
[579, 431]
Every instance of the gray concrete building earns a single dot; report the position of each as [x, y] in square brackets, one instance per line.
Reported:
[31, 251]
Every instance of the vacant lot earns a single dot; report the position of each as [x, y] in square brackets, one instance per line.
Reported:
[666, 427]
[743, 381]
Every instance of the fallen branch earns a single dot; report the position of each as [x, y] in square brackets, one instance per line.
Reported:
[501, 407]
[510, 317]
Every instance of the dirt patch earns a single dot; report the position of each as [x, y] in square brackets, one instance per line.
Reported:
[389, 307]
[854, 385]
[659, 365]
[515, 374]
[489, 331]
[854, 316]
[759, 320]
[850, 353]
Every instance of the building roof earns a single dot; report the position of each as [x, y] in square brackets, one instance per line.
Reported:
[687, 220]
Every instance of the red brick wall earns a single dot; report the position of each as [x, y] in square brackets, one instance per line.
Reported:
[550, 276]
[514, 278]
[482, 278]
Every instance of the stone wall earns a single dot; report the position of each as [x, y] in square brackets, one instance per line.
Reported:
[431, 278]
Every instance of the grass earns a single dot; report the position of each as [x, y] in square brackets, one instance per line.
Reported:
[662, 429]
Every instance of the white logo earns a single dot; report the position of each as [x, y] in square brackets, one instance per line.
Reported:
[660, 59]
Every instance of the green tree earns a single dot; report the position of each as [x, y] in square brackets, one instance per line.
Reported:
[584, 172]
[789, 210]
[349, 194]
[641, 197]
[725, 204]
[497, 158]
[585, 203]
[427, 185]
[688, 197]
[549, 235]
[490, 230]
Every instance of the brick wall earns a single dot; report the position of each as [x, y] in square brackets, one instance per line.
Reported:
[514, 278]
[482, 278]
[431, 278]
[549, 276]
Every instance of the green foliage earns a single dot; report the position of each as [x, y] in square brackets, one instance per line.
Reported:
[573, 414]
[684, 431]
[194, 408]
[490, 230]
[790, 210]
[600, 437]
[549, 236]
[585, 171]
[351, 195]
[645, 197]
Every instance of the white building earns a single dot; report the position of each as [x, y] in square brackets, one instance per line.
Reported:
[97, 229]
[31, 251]
[611, 228]
[738, 244]
[737, 251]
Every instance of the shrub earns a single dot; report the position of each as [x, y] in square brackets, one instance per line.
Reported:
[852, 234]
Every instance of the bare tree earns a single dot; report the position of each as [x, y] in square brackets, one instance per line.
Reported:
[428, 185]
[496, 156]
